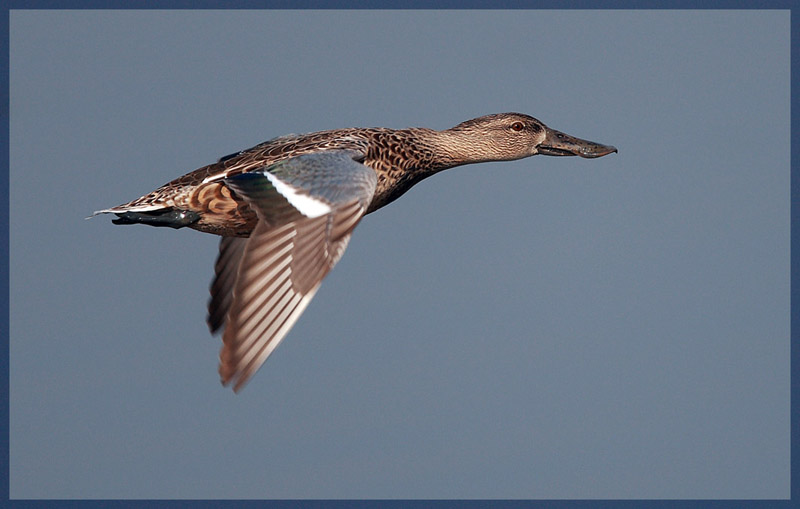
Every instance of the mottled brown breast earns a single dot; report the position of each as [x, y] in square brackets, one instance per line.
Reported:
[401, 160]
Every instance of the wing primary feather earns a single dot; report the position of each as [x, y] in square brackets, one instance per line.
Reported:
[268, 348]
[269, 325]
[226, 269]
[255, 310]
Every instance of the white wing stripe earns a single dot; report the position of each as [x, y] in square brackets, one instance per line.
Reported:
[305, 204]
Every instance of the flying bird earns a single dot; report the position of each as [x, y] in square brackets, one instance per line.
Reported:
[286, 208]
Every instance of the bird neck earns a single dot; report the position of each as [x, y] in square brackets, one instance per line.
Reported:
[454, 147]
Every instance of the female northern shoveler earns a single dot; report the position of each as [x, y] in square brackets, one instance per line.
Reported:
[286, 208]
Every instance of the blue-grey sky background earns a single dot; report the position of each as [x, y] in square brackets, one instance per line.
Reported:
[543, 328]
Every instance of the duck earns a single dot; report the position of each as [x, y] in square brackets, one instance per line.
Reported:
[285, 211]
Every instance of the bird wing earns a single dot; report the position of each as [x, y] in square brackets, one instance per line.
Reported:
[307, 207]
[225, 270]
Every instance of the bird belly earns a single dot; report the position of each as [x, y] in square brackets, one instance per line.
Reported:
[221, 212]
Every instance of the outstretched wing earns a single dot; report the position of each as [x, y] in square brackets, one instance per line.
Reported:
[307, 207]
[226, 270]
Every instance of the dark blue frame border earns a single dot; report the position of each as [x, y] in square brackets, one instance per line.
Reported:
[406, 4]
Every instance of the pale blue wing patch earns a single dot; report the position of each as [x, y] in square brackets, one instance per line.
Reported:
[312, 184]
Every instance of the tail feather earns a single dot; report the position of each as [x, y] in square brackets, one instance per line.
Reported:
[171, 217]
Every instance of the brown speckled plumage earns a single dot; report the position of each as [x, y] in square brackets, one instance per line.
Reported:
[286, 209]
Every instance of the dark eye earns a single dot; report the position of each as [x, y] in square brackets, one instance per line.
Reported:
[517, 126]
